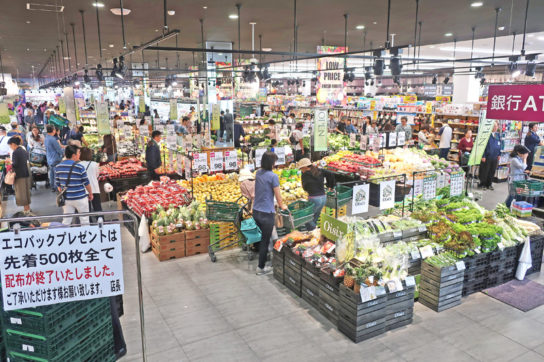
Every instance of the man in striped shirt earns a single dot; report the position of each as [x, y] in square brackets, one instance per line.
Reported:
[78, 189]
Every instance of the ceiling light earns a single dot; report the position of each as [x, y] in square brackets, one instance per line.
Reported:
[171, 12]
[448, 34]
[98, 5]
[530, 35]
[360, 27]
[28, 49]
[540, 38]
[67, 58]
[500, 28]
[477, 4]
[204, 7]
[233, 16]
[267, 49]
[516, 73]
[28, 21]
[119, 11]
[375, 22]
[111, 45]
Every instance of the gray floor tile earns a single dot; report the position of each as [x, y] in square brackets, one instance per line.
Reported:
[529, 357]
[247, 310]
[197, 325]
[407, 338]
[170, 355]
[524, 331]
[223, 347]
[437, 350]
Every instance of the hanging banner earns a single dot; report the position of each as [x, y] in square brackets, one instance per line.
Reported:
[484, 131]
[387, 194]
[173, 109]
[216, 161]
[330, 83]
[141, 104]
[102, 118]
[231, 160]
[320, 130]
[57, 265]
[62, 106]
[516, 102]
[216, 114]
[359, 203]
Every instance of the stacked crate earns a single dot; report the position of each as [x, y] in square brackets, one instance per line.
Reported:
[292, 271]
[197, 242]
[182, 244]
[310, 284]
[502, 266]
[440, 288]
[223, 235]
[400, 308]
[537, 248]
[329, 295]
[74, 331]
[277, 264]
[477, 268]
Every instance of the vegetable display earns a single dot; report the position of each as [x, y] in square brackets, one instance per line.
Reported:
[126, 168]
[176, 219]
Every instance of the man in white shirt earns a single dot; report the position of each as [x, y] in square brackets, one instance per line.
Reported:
[445, 140]
[298, 144]
[4, 147]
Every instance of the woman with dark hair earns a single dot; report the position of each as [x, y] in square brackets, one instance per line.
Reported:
[267, 186]
[109, 147]
[313, 182]
[531, 142]
[93, 171]
[518, 166]
[19, 163]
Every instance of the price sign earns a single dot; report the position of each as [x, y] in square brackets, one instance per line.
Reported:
[231, 160]
[280, 152]
[259, 152]
[401, 139]
[216, 161]
[418, 186]
[171, 140]
[200, 162]
[375, 142]
[441, 180]
[426, 251]
[128, 131]
[393, 139]
[352, 140]
[429, 188]
[410, 281]
[364, 140]
[170, 128]
[179, 164]
[361, 196]
[387, 194]
[187, 168]
[383, 140]
[456, 183]
[144, 131]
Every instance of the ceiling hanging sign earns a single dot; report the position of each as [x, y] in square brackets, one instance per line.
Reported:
[216, 116]
[516, 102]
[331, 88]
[447, 90]
[429, 90]
[102, 118]
[173, 109]
[320, 130]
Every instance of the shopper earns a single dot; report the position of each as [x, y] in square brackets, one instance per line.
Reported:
[350, 128]
[518, 168]
[221, 126]
[93, 172]
[76, 134]
[296, 140]
[465, 147]
[366, 125]
[4, 147]
[267, 186]
[332, 123]
[36, 146]
[272, 127]
[531, 141]
[238, 132]
[17, 131]
[490, 159]
[341, 126]
[23, 183]
[313, 182]
[109, 147]
[153, 155]
[247, 185]
[423, 137]
[72, 177]
[54, 154]
[445, 140]
[404, 127]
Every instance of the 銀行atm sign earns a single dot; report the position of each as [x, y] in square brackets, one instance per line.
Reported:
[516, 102]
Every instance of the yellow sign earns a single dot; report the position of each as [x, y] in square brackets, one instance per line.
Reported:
[410, 99]
[216, 114]
[428, 107]
[372, 105]
[445, 99]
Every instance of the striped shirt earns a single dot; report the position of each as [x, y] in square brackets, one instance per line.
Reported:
[78, 180]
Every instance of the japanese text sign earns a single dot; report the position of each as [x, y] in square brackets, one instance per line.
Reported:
[387, 194]
[516, 102]
[43, 267]
[216, 161]
[320, 130]
[231, 160]
[200, 162]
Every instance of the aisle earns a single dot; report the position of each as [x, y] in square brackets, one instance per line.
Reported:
[196, 310]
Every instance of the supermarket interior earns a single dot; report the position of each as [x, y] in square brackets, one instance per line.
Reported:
[220, 180]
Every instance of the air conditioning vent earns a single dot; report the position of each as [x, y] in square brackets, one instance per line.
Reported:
[45, 7]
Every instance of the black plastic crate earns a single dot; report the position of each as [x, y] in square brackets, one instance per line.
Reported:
[475, 275]
[510, 253]
[361, 333]
[495, 268]
[496, 257]
[439, 307]
[510, 264]
[474, 287]
[476, 261]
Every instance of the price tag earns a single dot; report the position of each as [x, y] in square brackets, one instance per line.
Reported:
[200, 162]
[397, 234]
[500, 246]
[401, 139]
[144, 131]
[231, 160]
[460, 265]
[171, 140]
[426, 251]
[259, 152]
[364, 140]
[410, 281]
[418, 187]
[159, 127]
[441, 180]
[216, 161]
[429, 188]
[415, 254]
[280, 152]
[352, 140]
[170, 128]
[456, 184]
[179, 164]
[422, 228]
[393, 139]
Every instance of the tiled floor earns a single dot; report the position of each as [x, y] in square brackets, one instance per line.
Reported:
[197, 310]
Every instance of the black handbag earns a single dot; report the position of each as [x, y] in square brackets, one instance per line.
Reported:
[61, 196]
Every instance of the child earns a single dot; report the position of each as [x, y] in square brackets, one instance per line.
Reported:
[273, 143]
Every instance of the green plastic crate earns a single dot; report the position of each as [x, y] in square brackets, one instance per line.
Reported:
[341, 193]
[221, 210]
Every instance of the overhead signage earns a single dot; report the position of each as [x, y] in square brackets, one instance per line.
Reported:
[516, 102]
[320, 130]
[429, 90]
[330, 83]
[173, 109]
[57, 265]
[102, 118]
[484, 131]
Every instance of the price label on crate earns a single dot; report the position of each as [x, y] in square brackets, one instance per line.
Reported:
[393, 139]
[456, 183]
[280, 152]
[426, 251]
[401, 139]
[410, 281]
[415, 254]
[352, 140]
[200, 162]
[231, 160]
[429, 188]
[216, 161]
[259, 152]
[460, 265]
[144, 131]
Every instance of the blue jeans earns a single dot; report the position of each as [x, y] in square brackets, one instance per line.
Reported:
[319, 202]
[265, 221]
[52, 182]
[444, 153]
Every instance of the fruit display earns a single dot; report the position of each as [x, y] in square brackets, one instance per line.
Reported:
[291, 185]
[347, 161]
[178, 218]
[217, 187]
[144, 200]
[128, 149]
[121, 169]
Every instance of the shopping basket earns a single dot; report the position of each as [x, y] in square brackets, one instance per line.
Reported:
[340, 196]
[527, 187]
[298, 214]
[228, 212]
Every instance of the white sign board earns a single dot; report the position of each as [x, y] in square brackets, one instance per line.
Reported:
[259, 152]
[429, 188]
[200, 162]
[401, 139]
[387, 194]
[361, 195]
[231, 160]
[43, 267]
[216, 161]
[393, 139]
[456, 184]
[144, 131]
[280, 152]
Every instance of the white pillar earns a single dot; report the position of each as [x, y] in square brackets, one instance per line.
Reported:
[466, 88]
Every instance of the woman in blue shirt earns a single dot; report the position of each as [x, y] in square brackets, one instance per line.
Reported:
[267, 186]
[518, 166]
[531, 141]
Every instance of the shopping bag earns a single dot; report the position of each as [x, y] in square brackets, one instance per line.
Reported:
[143, 232]
[525, 260]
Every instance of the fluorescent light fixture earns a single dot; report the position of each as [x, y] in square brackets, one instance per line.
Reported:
[540, 38]
[500, 28]
[267, 49]
[28, 21]
[119, 11]
[233, 16]
[448, 34]
[111, 45]
[98, 5]
[476, 50]
[477, 4]
[516, 73]
[360, 27]
[171, 12]
[204, 7]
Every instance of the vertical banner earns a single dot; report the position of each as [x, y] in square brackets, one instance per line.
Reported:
[216, 114]
[320, 130]
[330, 84]
[62, 106]
[141, 103]
[359, 203]
[387, 194]
[102, 118]
[43, 267]
[173, 109]
[484, 131]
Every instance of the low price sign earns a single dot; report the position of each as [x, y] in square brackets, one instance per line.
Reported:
[216, 161]
[43, 267]
[200, 162]
[231, 160]
[280, 152]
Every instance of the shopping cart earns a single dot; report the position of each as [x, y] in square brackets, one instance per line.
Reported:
[297, 215]
[224, 211]
[526, 187]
